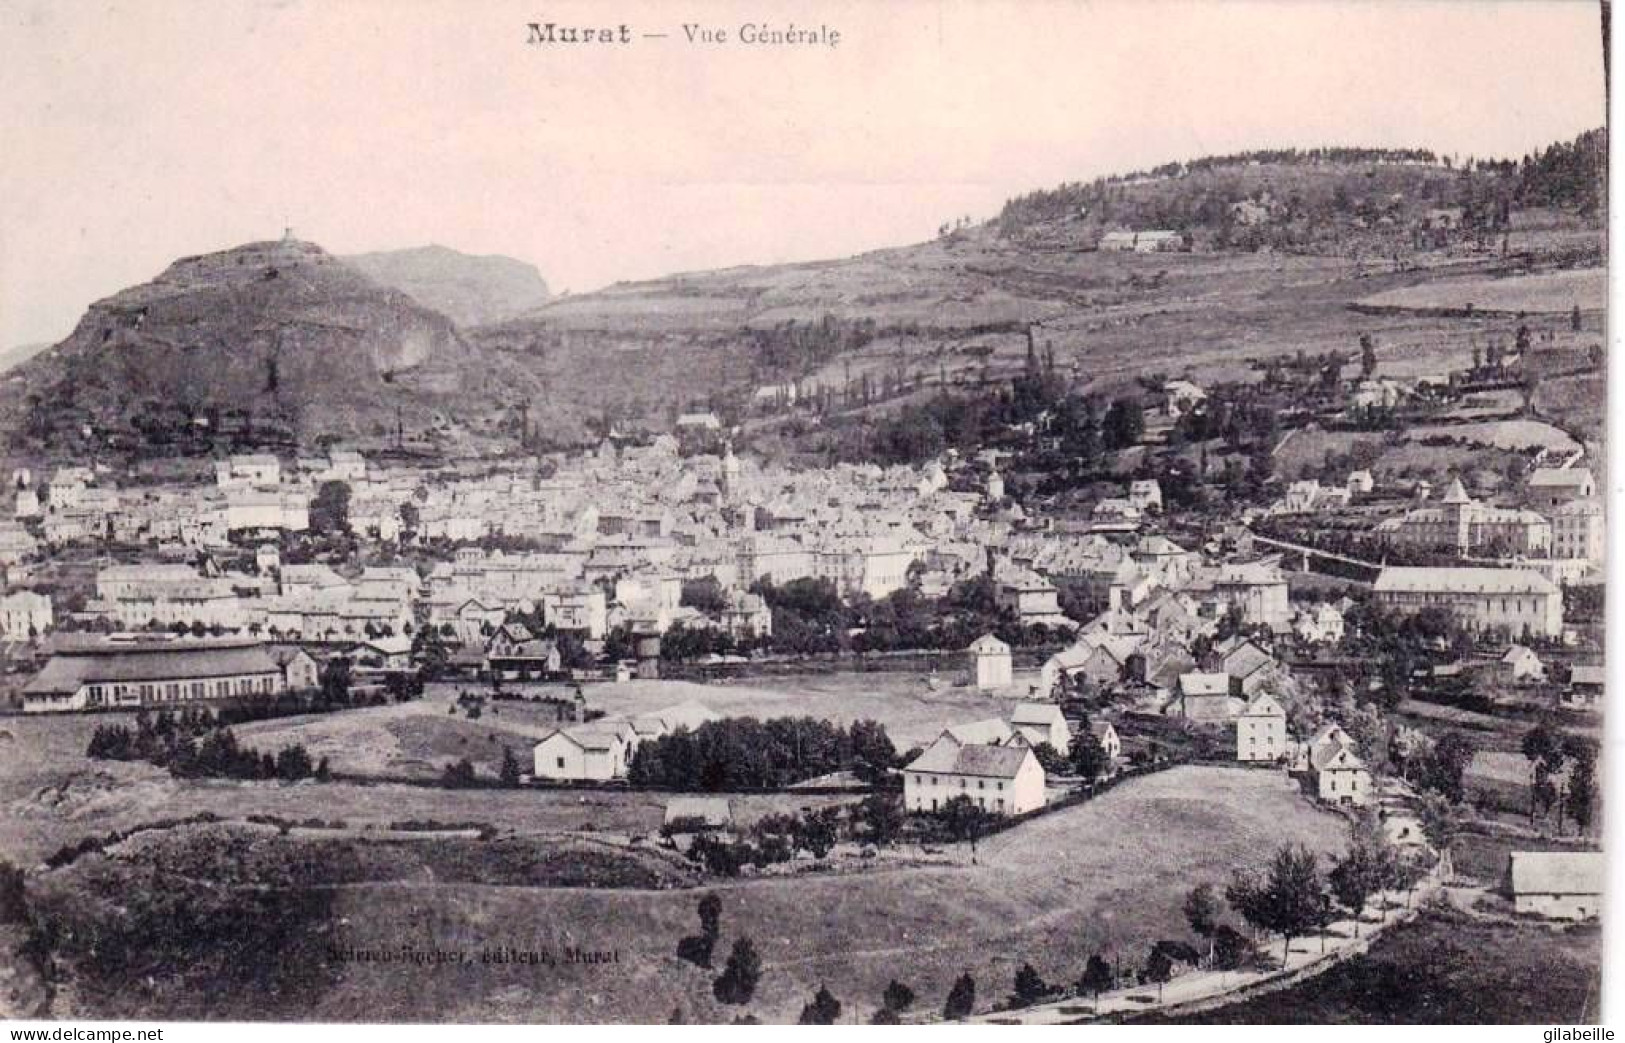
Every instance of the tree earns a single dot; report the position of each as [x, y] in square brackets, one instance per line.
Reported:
[881, 815]
[1230, 948]
[710, 913]
[1359, 874]
[823, 1010]
[872, 751]
[293, 763]
[1097, 976]
[1030, 986]
[510, 767]
[1159, 968]
[459, 775]
[1582, 793]
[897, 997]
[1088, 757]
[1290, 900]
[705, 594]
[961, 998]
[1368, 356]
[1443, 770]
[737, 984]
[1574, 319]
[1438, 823]
[330, 508]
[1202, 913]
[965, 819]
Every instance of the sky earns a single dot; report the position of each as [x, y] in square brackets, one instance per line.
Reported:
[135, 133]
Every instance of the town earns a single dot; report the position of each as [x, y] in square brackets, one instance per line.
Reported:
[1086, 518]
[980, 661]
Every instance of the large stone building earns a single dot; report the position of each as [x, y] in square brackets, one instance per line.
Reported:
[1464, 526]
[1517, 599]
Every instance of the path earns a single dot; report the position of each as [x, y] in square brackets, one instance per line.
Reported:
[1201, 987]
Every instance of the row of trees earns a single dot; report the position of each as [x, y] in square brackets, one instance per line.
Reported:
[209, 752]
[746, 753]
[1293, 897]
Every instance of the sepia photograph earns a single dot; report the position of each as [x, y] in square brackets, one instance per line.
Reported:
[802, 512]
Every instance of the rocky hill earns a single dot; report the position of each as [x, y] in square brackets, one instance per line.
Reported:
[263, 344]
[470, 290]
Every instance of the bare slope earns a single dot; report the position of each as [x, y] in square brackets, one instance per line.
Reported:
[468, 289]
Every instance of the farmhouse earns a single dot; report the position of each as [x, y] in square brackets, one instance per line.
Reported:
[151, 672]
[1340, 776]
[1558, 885]
[1001, 780]
[1517, 599]
[990, 662]
[1205, 697]
[1041, 723]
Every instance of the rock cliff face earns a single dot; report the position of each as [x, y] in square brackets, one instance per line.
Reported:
[279, 340]
[469, 290]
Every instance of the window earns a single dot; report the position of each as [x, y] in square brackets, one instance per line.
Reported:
[561, 762]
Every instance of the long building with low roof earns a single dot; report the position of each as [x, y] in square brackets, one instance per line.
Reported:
[151, 672]
[1518, 599]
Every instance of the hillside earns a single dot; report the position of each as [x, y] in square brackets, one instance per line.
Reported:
[468, 290]
[1276, 247]
[263, 344]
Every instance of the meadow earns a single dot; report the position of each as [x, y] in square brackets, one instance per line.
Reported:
[1108, 876]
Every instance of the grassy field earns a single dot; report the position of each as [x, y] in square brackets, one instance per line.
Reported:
[1501, 434]
[52, 795]
[1107, 876]
[1443, 971]
[1551, 292]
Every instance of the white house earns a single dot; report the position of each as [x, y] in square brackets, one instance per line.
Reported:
[1341, 777]
[1522, 665]
[1145, 494]
[1261, 730]
[25, 615]
[1042, 722]
[1558, 885]
[1001, 780]
[990, 660]
[1322, 624]
[1108, 738]
[594, 752]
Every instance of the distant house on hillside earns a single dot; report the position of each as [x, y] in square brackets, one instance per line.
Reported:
[1154, 241]
[699, 422]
